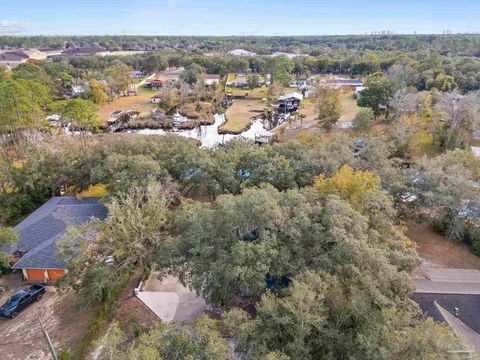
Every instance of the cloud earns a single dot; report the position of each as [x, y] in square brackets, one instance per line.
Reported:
[9, 27]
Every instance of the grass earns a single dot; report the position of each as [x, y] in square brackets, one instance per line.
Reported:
[349, 107]
[257, 93]
[438, 250]
[239, 115]
[95, 191]
[139, 102]
[144, 90]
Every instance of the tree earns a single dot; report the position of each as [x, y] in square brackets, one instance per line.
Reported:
[324, 316]
[226, 251]
[100, 257]
[445, 185]
[8, 237]
[32, 72]
[328, 106]
[21, 104]
[280, 69]
[154, 62]
[275, 90]
[378, 92]
[363, 120]
[5, 73]
[119, 76]
[200, 339]
[98, 93]
[191, 73]
[253, 81]
[460, 115]
[82, 114]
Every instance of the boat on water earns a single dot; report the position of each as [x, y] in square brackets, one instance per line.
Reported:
[179, 119]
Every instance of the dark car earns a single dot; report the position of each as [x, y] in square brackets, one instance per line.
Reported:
[21, 300]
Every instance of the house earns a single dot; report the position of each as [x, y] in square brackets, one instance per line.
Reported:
[285, 54]
[211, 79]
[459, 311]
[83, 51]
[290, 102]
[137, 74]
[155, 99]
[157, 84]
[54, 120]
[346, 84]
[78, 91]
[37, 250]
[359, 89]
[476, 151]
[13, 58]
[241, 52]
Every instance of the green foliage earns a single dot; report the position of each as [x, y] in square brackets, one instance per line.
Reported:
[292, 231]
[378, 93]
[82, 114]
[21, 103]
[363, 120]
[280, 68]
[325, 316]
[328, 106]
[171, 341]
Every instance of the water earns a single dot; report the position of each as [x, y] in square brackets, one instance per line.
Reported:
[208, 134]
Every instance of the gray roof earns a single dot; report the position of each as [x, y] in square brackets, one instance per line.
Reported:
[39, 232]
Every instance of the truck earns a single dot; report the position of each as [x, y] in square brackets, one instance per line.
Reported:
[20, 300]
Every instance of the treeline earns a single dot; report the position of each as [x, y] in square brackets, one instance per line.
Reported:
[468, 45]
[305, 235]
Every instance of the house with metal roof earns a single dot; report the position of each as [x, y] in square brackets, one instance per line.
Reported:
[37, 249]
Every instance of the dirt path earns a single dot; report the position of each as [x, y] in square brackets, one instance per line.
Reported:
[21, 338]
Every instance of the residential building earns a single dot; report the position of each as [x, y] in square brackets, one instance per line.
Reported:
[155, 99]
[241, 52]
[212, 79]
[13, 58]
[290, 102]
[37, 250]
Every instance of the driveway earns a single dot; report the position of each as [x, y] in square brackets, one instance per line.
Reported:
[21, 338]
[447, 281]
[169, 299]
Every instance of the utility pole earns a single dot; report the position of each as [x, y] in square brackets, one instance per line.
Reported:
[50, 345]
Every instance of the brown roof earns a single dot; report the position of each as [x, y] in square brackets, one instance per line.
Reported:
[13, 56]
[213, 76]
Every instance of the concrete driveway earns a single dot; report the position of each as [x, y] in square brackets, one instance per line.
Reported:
[448, 281]
[169, 299]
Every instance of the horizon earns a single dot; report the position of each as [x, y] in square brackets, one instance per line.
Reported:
[241, 18]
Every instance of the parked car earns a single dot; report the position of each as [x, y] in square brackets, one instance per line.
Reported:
[21, 300]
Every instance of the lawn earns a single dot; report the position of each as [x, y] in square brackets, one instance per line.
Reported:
[239, 115]
[439, 251]
[137, 102]
[257, 93]
[349, 107]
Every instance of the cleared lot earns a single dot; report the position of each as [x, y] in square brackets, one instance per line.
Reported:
[21, 338]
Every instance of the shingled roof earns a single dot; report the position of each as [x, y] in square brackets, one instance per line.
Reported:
[39, 232]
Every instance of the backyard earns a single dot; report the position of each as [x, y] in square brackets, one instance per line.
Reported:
[239, 115]
[136, 102]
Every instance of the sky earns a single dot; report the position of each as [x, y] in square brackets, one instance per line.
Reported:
[236, 17]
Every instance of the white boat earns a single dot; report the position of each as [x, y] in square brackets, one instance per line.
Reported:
[178, 119]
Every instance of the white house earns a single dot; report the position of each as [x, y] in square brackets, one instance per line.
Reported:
[155, 99]
[212, 79]
[241, 52]
[288, 55]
